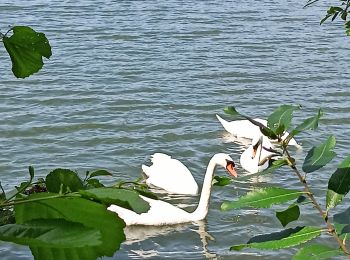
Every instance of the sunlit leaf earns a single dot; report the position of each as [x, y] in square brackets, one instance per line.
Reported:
[26, 48]
[280, 119]
[310, 123]
[263, 198]
[292, 213]
[57, 233]
[316, 252]
[74, 209]
[232, 111]
[221, 181]
[338, 184]
[284, 239]
[320, 155]
[64, 179]
[121, 197]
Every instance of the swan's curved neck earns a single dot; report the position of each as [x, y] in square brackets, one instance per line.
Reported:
[202, 209]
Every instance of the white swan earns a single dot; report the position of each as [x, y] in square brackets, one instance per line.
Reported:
[246, 129]
[252, 157]
[170, 174]
[163, 213]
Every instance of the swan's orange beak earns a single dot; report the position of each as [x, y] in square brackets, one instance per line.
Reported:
[230, 167]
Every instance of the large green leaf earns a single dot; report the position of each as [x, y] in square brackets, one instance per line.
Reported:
[287, 238]
[63, 180]
[309, 123]
[320, 155]
[124, 198]
[263, 198]
[280, 118]
[26, 48]
[338, 184]
[316, 252]
[292, 213]
[74, 209]
[57, 233]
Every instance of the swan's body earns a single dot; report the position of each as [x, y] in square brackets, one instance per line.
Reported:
[246, 129]
[170, 174]
[255, 154]
[163, 213]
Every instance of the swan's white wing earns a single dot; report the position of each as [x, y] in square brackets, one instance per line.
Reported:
[160, 213]
[242, 128]
[170, 175]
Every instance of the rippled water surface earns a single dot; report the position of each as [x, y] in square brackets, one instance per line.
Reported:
[129, 78]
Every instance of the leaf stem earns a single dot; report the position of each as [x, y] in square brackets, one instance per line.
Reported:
[324, 215]
[16, 202]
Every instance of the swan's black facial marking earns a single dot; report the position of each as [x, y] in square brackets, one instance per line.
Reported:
[255, 148]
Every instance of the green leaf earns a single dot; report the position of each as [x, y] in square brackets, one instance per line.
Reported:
[26, 48]
[333, 199]
[31, 172]
[232, 111]
[263, 198]
[73, 209]
[93, 183]
[121, 197]
[292, 213]
[287, 238]
[343, 218]
[221, 181]
[338, 184]
[320, 155]
[281, 118]
[100, 173]
[57, 233]
[310, 123]
[64, 179]
[316, 252]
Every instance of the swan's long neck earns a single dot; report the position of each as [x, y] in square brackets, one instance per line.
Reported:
[202, 209]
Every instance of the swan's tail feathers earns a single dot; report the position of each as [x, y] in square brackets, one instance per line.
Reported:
[159, 157]
[145, 169]
[224, 123]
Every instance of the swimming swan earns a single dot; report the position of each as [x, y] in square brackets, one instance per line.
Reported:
[170, 174]
[163, 213]
[252, 157]
[246, 129]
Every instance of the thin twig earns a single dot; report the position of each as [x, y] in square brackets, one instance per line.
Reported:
[324, 215]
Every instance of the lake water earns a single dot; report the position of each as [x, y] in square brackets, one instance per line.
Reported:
[130, 78]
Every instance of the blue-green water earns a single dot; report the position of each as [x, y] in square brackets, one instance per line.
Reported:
[130, 78]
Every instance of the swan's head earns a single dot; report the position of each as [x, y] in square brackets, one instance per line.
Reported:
[225, 161]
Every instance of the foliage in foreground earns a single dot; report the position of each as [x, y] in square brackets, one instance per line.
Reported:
[26, 48]
[338, 187]
[338, 11]
[65, 217]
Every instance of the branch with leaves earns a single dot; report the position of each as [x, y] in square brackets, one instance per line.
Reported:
[338, 186]
[65, 217]
[336, 11]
